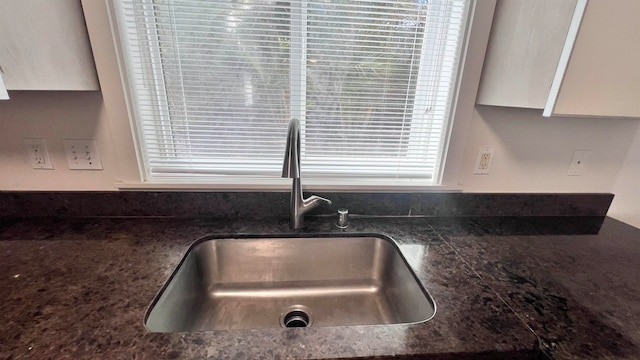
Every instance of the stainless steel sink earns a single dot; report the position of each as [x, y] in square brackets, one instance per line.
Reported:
[266, 282]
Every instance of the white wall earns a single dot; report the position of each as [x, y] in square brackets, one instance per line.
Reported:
[54, 116]
[533, 153]
[58, 115]
[626, 204]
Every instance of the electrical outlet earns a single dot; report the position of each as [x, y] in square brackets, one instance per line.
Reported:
[38, 154]
[82, 154]
[577, 166]
[483, 161]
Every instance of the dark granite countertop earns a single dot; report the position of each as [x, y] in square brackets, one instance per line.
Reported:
[504, 288]
[576, 286]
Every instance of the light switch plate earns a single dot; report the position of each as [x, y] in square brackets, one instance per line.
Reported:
[82, 154]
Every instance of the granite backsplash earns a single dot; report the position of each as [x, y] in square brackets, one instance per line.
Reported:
[228, 205]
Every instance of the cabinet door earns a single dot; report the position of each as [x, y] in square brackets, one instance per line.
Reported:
[603, 73]
[44, 46]
[527, 38]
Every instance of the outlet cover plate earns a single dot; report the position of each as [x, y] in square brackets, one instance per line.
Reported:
[82, 154]
[38, 154]
[483, 161]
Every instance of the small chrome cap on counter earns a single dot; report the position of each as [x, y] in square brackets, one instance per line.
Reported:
[343, 218]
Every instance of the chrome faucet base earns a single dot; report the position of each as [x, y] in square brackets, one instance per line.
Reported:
[298, 205]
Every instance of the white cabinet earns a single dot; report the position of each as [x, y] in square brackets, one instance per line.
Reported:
[527, 38]
[568, 57]
[603, 74]
[44, 46]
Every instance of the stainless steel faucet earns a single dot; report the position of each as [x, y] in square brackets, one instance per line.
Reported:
[298, 205]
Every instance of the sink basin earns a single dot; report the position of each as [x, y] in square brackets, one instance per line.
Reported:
[270, 282]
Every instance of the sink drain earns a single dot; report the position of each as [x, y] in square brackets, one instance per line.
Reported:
[296, 316]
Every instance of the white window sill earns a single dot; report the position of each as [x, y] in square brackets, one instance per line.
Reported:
[283, 184]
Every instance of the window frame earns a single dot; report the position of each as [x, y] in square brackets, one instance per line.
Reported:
[474, 46]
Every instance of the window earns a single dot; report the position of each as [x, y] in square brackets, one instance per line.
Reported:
[215, 83]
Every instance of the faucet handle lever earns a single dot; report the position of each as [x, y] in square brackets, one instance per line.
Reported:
[315, 200]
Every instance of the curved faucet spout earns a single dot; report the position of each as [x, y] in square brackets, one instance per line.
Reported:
[291, 164]
[298, 205]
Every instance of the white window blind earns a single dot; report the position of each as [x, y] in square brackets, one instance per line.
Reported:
[215, 83]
